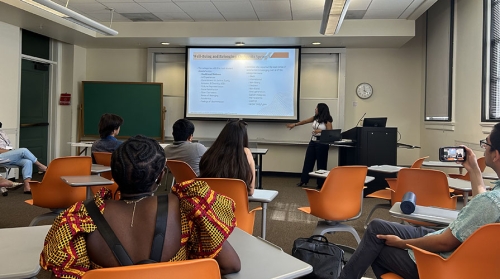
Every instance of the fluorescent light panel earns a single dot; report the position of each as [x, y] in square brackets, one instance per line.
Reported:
[72, 16]
[333, 15]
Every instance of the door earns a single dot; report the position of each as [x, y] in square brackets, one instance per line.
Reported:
[34, 108]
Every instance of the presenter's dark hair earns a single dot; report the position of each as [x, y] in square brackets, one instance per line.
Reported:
[226, 157]
[136, 164]
[182, 129]
[323, 115]
[108, 123]
[495, 138]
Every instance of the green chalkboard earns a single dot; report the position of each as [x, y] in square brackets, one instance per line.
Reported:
[139, 104]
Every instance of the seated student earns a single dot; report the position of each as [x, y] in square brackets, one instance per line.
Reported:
[109, 127]
[74, 246]
[384, 243]
[20, 157]
[182, 148]
[229, 156]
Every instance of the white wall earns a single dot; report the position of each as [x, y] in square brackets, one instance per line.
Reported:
[116, 65]
[396, 77]
[466, 118]
[10, 69]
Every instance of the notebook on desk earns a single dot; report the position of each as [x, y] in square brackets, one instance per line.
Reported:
[330, 136]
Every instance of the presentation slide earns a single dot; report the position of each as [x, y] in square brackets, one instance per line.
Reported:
[248, 83]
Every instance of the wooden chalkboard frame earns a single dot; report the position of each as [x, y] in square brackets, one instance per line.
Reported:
[155, 109]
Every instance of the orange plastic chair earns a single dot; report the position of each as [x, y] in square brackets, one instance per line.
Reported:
[55, 194]
[340, 199]
[386, 194]
[476, 257]
[182, 171]
[430, 188]
[104, 158]
[391, 275]
[199, 268]
[236, 189]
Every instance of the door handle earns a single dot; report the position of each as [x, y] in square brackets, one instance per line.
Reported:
[34, 124]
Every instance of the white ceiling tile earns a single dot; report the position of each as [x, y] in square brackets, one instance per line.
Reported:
[240, 16]
[307, 15]
[127, 7]
[386, 9]
[89, 7]
[153, 1]
[411, 8]
[207, 16]
[178, 1]
[265, 16]
[308, 5]
[271, 6]
[173, 16]
[106, 18]
[197, 7]
[161, 7]
[233, 6]
[360, 5]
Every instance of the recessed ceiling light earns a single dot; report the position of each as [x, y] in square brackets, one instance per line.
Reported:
[316, 43]
[239, 44]
[165, 43]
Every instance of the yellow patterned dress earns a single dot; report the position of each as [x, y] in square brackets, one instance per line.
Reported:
[207, 220]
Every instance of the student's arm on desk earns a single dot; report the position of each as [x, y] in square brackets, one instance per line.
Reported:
[444, 242]
[228, 259]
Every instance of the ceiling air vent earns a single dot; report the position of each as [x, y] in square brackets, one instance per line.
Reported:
[138, 17]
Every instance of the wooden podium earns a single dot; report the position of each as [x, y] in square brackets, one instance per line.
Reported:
[372, 146]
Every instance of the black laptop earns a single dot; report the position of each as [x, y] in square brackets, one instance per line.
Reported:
[330, 136]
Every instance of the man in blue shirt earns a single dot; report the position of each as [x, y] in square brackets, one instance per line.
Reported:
[109, 128]
[384, 243]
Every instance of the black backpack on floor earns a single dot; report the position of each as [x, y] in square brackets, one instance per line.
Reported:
[326, 258]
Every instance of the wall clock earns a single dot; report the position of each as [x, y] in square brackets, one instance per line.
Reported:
[364, 90]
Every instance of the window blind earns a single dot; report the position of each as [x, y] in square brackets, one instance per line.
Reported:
[494, 104]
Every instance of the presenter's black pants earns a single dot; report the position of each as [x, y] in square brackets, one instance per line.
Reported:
[382, 258]
[316, 153]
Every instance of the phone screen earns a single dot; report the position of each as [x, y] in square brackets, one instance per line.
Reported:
[451, 154]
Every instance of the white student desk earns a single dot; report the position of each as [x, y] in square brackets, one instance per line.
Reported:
[385, 168]
[460, 184]
[491, 176]
[86, 144]
[263, 260]
[439, 164]
[429, 214]
[20, 250]
[324, 174]
[86, 181]
[98, 169]
[264, 197]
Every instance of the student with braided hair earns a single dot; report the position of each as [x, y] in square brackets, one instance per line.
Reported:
[75, 244]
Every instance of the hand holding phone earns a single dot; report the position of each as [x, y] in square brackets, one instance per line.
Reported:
[452, 154]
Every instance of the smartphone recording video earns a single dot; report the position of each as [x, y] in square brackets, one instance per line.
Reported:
[451, 154]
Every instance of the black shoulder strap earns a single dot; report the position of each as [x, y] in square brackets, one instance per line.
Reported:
[107, 233]
[160, 228]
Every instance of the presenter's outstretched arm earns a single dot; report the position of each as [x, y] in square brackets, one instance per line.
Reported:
[302, 122]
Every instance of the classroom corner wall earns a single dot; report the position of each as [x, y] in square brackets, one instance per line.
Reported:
[72, 71]
[117, 65]
[10, 67]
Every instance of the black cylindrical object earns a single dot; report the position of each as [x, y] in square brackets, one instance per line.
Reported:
[408, 203]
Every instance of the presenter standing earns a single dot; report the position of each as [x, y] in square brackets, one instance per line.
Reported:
[316, 152]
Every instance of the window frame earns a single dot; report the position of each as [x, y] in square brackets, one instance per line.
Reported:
[485, 96]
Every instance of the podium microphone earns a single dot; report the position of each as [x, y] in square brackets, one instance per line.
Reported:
[361, 119]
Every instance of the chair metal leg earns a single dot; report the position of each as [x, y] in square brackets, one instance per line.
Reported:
[48, 215]
[324, 227]
[388, 206]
